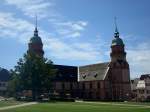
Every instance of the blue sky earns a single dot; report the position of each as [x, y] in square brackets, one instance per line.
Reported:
[76, 32]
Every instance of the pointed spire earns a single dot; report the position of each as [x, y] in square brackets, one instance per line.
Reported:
[36, 30]
[116, 34]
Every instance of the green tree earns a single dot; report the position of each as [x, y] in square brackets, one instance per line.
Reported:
[32, 73]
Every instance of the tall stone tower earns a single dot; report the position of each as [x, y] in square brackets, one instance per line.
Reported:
[35, 45]
[119, 70]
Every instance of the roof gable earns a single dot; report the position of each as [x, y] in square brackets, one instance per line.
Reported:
[93, 72]
[66, 73]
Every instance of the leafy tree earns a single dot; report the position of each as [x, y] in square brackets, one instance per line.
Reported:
[32, 73]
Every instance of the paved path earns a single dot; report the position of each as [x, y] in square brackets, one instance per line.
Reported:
[15, 106]
[107, 103]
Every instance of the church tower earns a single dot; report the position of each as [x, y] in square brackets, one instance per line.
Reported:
[119, 69]
[35, 46]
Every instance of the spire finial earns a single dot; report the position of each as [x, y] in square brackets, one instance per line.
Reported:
[36, 30]
[36, 21]
[116, 34]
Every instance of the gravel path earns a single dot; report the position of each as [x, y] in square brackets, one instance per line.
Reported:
[15, 106]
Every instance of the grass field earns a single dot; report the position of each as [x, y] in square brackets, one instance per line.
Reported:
[9, 103]
[81, 107]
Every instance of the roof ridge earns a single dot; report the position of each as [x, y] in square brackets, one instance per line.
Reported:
[95, 64]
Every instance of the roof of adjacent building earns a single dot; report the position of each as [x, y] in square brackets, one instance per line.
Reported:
[66, 73]
[145, 76]
[4, 75]
[93, 72]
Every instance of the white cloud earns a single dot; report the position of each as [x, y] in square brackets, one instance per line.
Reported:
[32, 7]
[70, 28]
[77, 25]
[44, 9]
[139, 60]
[11, 27]
[63, 50]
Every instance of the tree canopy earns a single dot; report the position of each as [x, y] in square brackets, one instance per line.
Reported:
[32, 73]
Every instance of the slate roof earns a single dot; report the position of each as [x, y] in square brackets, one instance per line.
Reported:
[4, 75]
[145, 76]
[93, 72]
[66, 73]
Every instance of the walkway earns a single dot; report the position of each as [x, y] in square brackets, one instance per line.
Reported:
[15, 106]
[112, 103]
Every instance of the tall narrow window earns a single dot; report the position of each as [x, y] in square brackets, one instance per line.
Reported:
[63, 86]
[98, 85]
[83, 85]
[90, 85]
[71, 86]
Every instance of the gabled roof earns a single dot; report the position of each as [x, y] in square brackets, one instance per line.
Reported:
[66, 73]
[93, 72]
[4, 75]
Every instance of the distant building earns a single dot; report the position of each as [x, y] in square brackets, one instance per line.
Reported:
[101, 81]
[141, 88]
[4, 78]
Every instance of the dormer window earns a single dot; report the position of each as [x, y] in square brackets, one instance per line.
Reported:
[95, 75]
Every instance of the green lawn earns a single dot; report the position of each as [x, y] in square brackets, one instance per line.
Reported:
[79, 107]
[9, 103]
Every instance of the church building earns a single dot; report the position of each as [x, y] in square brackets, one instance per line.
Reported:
[100, 81]
[110, 80]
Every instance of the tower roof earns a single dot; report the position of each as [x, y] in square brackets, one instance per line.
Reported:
[116, 34]
[117, 40]
[36, 38]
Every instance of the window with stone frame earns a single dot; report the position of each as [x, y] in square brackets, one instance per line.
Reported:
[63, 85]
[90, 85]
[141, 91]
[148, 91]
[98, 85]
[83, 86]
[71, 86]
